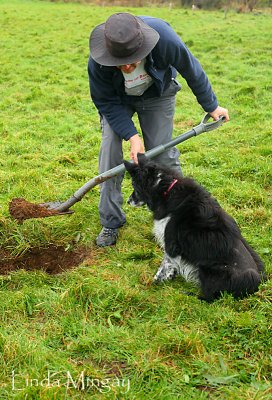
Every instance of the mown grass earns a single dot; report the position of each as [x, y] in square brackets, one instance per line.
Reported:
[104, 318]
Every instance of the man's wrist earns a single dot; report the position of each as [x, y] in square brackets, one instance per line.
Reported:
[134, 137]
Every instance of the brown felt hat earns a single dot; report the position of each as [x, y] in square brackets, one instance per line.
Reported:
[122, 39]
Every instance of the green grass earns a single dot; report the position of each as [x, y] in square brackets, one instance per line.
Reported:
[104, 319]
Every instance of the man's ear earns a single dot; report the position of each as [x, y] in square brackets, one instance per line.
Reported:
[142, 160]
[130, 166]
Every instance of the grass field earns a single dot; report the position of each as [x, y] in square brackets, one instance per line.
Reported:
[101, 330]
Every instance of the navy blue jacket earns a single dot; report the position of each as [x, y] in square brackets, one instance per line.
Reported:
[168, 56]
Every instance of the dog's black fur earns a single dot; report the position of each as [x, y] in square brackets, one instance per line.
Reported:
[198, 231]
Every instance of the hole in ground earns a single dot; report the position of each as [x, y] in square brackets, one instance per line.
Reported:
[53, 259]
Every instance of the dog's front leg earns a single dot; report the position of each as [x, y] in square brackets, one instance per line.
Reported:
[166, 271]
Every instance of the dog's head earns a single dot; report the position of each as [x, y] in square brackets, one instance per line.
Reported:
[150, 180]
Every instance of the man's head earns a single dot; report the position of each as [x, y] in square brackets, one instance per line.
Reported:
[122, 39]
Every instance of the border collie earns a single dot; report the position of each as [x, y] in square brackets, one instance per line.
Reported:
[201, 241]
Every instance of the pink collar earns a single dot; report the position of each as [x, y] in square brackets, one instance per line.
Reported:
[172, 184]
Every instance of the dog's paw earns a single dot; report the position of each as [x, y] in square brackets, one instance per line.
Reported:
[164, 276]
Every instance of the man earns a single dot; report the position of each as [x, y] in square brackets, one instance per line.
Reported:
[132, 69]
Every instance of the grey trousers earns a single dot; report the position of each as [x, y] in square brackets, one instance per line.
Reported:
[156, 121]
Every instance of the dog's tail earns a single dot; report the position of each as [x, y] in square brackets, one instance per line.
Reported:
[245, 282]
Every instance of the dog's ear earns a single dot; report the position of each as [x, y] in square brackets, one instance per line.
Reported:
[130, 166]
[142, 159]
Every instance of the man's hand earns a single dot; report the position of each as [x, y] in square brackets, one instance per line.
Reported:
[218, 112]
[136, 146]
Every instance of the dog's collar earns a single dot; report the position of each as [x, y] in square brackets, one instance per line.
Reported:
[172, 184]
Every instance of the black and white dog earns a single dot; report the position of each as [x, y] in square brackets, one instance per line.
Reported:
[201, 241]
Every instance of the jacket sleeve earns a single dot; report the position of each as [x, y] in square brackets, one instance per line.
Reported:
[107, 101]
[172, 49]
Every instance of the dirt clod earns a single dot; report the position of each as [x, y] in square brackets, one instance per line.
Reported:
[53, 259]
[21, 209]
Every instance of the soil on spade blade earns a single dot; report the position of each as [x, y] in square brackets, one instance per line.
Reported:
[53, 259]
[20, 209]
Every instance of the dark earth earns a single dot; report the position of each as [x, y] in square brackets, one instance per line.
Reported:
[53, 259]
[21, 209]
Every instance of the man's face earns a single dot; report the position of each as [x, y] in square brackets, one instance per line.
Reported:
[128, 68]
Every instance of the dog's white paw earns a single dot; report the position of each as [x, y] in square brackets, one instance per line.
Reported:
[165, 273]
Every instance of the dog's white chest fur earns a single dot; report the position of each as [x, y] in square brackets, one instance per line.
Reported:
[172, 266]
[159, 229]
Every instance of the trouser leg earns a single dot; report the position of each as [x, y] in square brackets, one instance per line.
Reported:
[156, 119]
[111, 199]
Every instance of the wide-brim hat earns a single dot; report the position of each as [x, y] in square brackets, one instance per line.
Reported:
[122, 39]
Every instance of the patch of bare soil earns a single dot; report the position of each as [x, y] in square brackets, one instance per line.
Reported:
[115, 368]
[53, 259]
